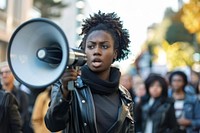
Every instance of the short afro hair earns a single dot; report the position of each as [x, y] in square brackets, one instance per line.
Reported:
[109, 23]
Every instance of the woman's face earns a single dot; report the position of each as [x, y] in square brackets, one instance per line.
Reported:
[100, 51]
[155, 89]
[177, 83]
[140, 90]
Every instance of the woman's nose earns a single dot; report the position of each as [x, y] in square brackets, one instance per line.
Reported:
[97, 51]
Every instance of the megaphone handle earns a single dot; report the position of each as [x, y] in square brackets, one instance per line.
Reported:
[71, 85]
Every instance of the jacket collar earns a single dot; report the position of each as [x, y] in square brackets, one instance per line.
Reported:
[125, 93]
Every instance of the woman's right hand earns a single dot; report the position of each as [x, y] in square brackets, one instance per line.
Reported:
[70, 74]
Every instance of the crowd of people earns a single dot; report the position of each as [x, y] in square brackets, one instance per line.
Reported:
[103, 101]
[165, 103]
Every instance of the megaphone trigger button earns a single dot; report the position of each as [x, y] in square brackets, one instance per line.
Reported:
[60, 100]
[77, 84]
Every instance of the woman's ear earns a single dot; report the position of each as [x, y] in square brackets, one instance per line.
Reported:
[115, 53]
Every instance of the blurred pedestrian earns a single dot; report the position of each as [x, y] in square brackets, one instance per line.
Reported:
[198, 90]
[157, 113]
[139, 96]
[126, 81]
[10, 119]
[7, 80]
[195, 77]
[39, 111]
[186, 104]
[138, 88]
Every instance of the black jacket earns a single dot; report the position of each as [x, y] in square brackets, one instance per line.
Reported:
[10, 120]
[162, 115]
[77, 114]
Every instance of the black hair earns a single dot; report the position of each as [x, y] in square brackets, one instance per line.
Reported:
[179, 73]
[109, 23]
[152, 78]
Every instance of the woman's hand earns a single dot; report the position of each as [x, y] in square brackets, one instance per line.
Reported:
[70, 74]
[184, 122]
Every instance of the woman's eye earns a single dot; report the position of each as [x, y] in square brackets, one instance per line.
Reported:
[90, 46]
[105, 46]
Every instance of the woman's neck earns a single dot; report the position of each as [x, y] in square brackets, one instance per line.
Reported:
[179, 95]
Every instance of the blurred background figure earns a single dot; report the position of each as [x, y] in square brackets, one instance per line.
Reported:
[186, 105]
[157, 111]
[10, 120]
[7, 80]
[198, 90]
[138, 88]
[195, 77]
[39, 111]
[126, 81]
[139, 96]
[190, 86]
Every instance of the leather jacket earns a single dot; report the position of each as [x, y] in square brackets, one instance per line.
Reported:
[10, 120]
[163, 117]
[77, 115]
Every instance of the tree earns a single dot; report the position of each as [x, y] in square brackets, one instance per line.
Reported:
[173, 40]
[191, 18]
[176, 32]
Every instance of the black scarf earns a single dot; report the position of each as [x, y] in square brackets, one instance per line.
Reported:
[98, 85]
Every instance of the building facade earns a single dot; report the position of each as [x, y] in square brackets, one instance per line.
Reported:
[12, 14]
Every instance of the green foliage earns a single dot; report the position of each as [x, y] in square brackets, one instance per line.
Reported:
[176, 42]
[177, 33]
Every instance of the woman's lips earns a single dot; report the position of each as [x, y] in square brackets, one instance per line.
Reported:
[96, 63]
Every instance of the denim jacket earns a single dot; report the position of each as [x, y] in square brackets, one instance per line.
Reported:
[192, 112]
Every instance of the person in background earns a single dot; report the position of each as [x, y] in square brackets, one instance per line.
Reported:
[126, 81]
[198, 90]
[138, 89]
[195, 77]
[99, 104]
[186, 105]
[39, 111]
[10, 119]
[139, 96]
[157, 112]
[7, 80]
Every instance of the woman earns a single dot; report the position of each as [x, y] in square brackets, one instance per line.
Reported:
[158, 115]
[186, 104]
[99, 104]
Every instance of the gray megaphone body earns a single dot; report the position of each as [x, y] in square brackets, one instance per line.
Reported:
[38, 53]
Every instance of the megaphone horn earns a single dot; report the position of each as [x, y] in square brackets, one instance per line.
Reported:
[38, 53]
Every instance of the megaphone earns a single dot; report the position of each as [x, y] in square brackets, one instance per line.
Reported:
[38, 53]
